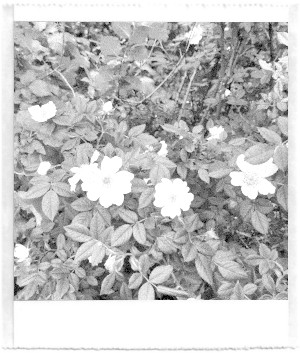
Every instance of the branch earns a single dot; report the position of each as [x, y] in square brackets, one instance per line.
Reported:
[187, 93]
[65, 80]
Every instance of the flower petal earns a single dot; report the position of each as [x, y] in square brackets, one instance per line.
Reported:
[237, 178]
[265, 187]
[170, 211]
[111, 165]
[266, 169]
[249, 191]
[95, 156]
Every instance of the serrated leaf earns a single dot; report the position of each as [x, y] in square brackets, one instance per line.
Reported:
[203, 175]
[146, 139]
[40, 88]
[78, 232]
[97, 225]
[139, 233]
[230, 270]
[270, 135]
[203, 267]
[60, 241]
[62, 287]
[281, 157]
[127, 215]
[37, 191]
[122, 29]
[158, 172]
[220, 173]
[146, 197]
[135, 280]
[260, 222]
[110, 46]
[50, 204]
[282, 123]
[237, 141]
[204, 248]
[172, 291]
[259, 153]
[83, 218]
[121, 235]
[85, 250]
[136, 130]
[160, 274]
[82, 204]
[246, 209]
[282, 196]
[250, 288]
[107, 284]
[62, 189]
[189, 252]
[146, 292]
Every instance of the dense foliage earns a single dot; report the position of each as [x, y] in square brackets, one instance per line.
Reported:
[151, 161]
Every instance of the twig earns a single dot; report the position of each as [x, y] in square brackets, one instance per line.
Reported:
[65, 80]
[187, 93]
[180, 87]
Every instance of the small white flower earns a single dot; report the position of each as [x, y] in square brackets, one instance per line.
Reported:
[164, 150]
[114, 263]
[172, 196]
[43, 168]
[107, 107]
[106, 184]
[195, 35]
[180, 137]
[252, 178]
[264, 65]
[215, 132]
[227, 93]
[42, 113]
[21, 252]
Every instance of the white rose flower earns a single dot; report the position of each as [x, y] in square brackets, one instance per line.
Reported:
[42, 113]
[108, 184]
[84, 171]
[164, 150]
[172, 196]
[107, 107]
[21, 252]
[43, 168]
[264, 65]
[195, 35]
[215, 132]
[252, 178]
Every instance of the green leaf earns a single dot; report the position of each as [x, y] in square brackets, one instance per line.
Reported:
[282, 196]
[110, 46]
[157, 172]
[121, 235]
[40, 88]
[231, 270]
[237, 141]
[172, 291]
[78, 232]
[146, 292]
[60, 241]
[37, 190]
[82, 204]
[97, 225]
[192, 222]
[136, 130]
[250, 288]
[204, 248]
[269, 135]
[50, 204]
[282, 123]
[146, 197]
[135, 280]
[139, 233]
[122, 29]
[161, 274]
[107, 284]
[260, 222]
[281, 157]
[203, 175]
[62, 189]
[146, 139]
[62, 287]
[127, 215]
[189, 252]
[86, 249]
[259, 153]
[203, 266]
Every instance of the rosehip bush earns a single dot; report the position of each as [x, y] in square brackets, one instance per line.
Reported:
[151, 161]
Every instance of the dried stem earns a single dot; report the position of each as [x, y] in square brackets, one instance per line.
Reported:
[65, 80]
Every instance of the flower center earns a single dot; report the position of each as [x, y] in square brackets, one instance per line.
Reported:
[250, 179]
[106, 180]
[172, 198]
